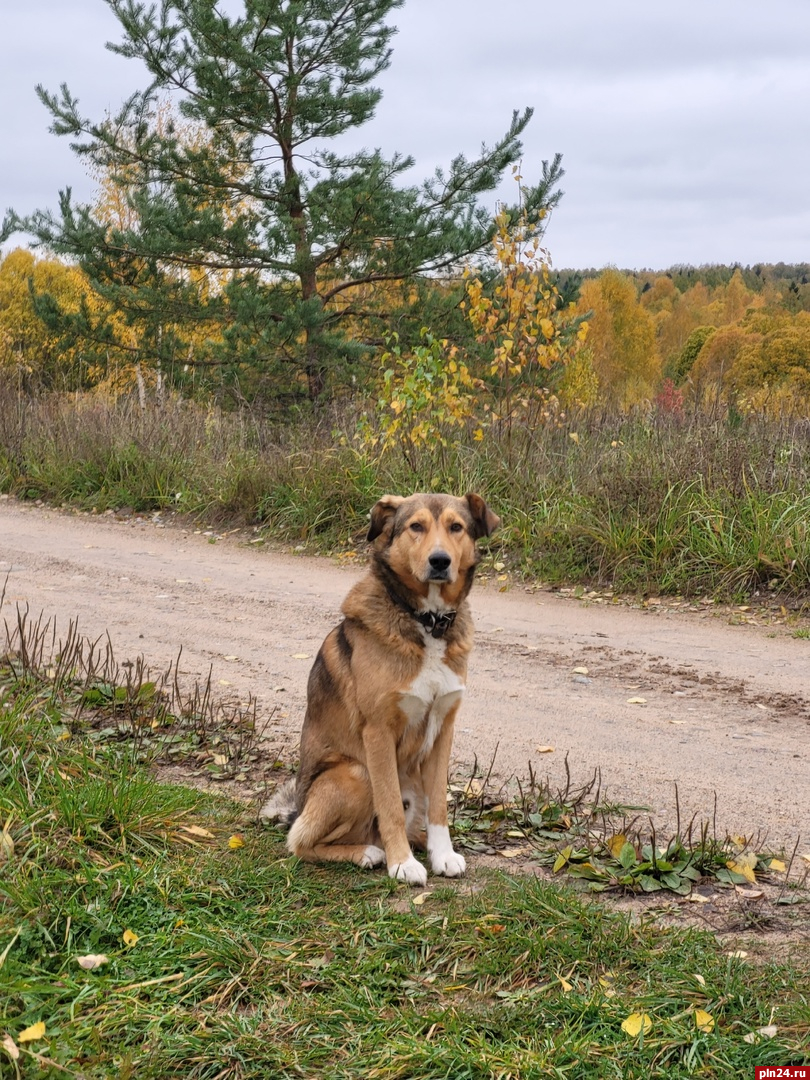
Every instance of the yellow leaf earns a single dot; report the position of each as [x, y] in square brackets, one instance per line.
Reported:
[635, 1023]
[545, 749]
[561, 859]
[130, 939]
[565, 984]
[301, 656]
[741, 866]
[574, 437]
[704, 1021]
[35, 1031]
[777, 865]
[547, 326]
[421, 897]
[235, 842]
[616, 843]
[478, 435]
[636, 701]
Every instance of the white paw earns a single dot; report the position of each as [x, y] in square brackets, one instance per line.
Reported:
[448, 863]
[372, 856]
[411, 871]
[443, 859]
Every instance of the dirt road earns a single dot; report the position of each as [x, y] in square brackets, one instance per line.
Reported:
[667, 697]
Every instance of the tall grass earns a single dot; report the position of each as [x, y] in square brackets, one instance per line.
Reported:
[642, 503]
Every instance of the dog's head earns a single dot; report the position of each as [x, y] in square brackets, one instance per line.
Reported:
[430, 539]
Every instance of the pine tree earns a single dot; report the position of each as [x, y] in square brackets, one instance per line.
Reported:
[264, 225]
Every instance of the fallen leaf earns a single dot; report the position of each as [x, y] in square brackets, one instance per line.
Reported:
[6, 846]
[700, 979]
[777, 865]
[130, 939]
[704, 1021]
[637, 701]
[635, 1022]
[230, 657]
[10, 1047]
[235, 842]
[499, 566]
[697, 898]
[220, 759]
[545, 749]
[744, 864]
[92, 961]
[512, 853]
[738, 954]
[30, 1034]
[565, 984]
[197, 830]
[579, 671]
[421, 897]
[223, 682]
[768, 1032]
[616, 843]
[749, 894]
[301, 656]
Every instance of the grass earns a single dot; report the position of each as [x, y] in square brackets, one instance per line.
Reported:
[642, 504]
[226, 958]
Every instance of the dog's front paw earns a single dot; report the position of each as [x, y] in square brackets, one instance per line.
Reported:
[443, 859]
[411, 871]
[371, 857]
[449, 864]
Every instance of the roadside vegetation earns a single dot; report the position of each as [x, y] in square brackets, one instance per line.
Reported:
[643, 505]
[153, 930]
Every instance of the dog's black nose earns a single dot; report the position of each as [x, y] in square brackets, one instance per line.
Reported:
[439, 561]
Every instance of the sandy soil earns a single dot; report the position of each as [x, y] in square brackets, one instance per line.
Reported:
[662, 697]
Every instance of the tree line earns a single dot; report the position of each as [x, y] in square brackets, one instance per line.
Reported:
[243, 245]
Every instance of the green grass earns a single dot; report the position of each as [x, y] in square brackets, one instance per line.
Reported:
[639, 504]
[248, 964]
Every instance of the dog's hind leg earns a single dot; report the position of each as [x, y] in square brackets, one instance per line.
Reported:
[337, 823]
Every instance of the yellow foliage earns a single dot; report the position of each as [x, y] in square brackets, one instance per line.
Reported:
[25, 341]
[519, 323]
[579, 386]
[621, 340]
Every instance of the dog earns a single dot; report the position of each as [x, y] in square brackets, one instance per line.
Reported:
[383, 695]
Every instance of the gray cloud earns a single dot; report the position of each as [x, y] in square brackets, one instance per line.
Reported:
[684, 129]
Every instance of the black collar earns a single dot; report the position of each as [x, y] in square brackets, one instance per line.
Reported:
[437, 623]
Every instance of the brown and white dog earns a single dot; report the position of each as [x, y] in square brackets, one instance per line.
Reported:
[383, 695]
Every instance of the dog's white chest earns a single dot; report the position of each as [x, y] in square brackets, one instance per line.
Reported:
[432, 693]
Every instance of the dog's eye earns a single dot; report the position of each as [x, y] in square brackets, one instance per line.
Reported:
[456, 527]
[417, 527]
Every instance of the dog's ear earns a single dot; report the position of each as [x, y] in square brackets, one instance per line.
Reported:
[484, 521]
[382, 512]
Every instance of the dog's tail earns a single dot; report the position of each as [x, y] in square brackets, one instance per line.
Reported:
[281, 805]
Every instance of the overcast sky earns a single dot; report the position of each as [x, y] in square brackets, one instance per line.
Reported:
[684, 127]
